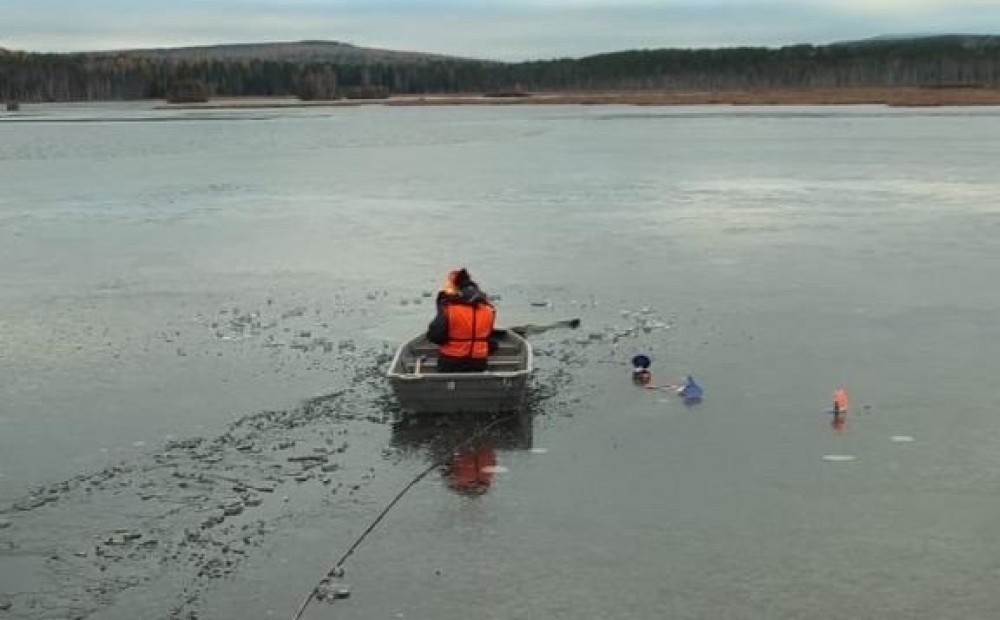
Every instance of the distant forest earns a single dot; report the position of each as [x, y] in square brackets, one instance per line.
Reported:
[930, 62]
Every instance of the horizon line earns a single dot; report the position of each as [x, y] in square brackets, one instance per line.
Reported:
[884, 38]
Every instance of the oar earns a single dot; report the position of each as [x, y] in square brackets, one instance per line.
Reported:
[530, 329]
[666, 387]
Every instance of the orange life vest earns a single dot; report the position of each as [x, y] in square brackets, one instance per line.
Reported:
[469, 329]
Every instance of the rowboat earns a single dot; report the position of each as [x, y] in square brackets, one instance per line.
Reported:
[503, 386]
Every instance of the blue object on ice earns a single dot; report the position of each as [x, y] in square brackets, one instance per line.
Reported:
[641, 362]
[691, 392]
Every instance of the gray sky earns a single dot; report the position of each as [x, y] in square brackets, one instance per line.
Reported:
[494, 29]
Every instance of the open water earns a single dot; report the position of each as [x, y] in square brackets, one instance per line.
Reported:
[196, 309]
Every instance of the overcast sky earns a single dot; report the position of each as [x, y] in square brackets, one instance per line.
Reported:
[494, 29]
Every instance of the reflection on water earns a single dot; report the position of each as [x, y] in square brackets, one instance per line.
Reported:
[466, 445]
[439, 436]
[470, 470]
[839, 422]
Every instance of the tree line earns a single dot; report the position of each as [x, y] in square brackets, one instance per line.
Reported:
[35, 77]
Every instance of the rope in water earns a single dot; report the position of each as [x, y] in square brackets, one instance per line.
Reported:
[385, 511]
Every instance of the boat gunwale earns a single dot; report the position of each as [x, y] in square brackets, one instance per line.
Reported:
[527, 352]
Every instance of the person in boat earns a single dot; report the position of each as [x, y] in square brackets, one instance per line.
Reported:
[463, 326]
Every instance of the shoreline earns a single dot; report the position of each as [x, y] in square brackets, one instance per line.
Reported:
[892, 97]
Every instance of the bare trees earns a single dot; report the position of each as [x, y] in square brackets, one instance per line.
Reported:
[936, 62]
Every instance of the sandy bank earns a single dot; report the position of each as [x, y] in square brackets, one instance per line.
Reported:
[903, 97]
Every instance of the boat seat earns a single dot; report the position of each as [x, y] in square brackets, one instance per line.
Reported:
[429, 351]
[432, 363]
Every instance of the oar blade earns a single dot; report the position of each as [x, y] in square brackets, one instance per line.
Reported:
[528, 330]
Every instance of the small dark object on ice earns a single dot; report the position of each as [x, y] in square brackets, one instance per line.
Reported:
[326, 591]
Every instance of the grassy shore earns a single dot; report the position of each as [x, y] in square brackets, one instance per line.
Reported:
[902, 97]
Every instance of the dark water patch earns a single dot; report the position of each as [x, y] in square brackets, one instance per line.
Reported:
[464, 449]
[192, 510]
[167, 525]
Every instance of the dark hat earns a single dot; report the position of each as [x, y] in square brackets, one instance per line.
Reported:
[461, 278]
